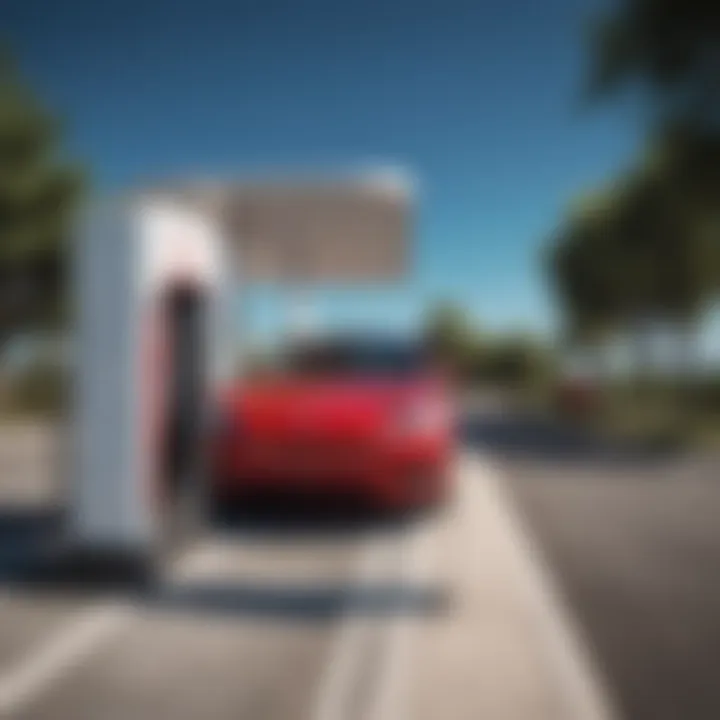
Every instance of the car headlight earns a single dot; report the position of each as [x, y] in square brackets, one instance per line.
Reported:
[426, 416]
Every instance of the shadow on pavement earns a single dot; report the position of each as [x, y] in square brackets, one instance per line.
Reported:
[34, 556]
[26, 534]
[32, 562]
[304, 602]
[282, 517]
[301, 516]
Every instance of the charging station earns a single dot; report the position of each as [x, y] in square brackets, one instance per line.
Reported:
[151, 284]
[152, 279]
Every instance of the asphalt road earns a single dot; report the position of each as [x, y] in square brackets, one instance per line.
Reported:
[244, 626]
[568, 580]
[324, 613]
[634, 541]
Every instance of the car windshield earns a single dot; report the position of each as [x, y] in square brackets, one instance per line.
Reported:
[373, 358]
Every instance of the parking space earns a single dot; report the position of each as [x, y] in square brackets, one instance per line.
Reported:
[293, 615]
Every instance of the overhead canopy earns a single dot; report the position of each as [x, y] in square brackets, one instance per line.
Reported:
[315, 231]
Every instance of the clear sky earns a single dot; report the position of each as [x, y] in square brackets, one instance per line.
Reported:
[480, 100]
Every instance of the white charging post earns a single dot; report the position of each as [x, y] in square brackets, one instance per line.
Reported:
[151, 287]
[152, 275]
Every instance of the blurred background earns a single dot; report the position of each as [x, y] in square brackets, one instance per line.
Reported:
[565, 264]
[565, 159]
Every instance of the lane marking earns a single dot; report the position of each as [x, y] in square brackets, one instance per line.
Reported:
[203, 562]
[66, 650]
[75, 642]
[343, 665]
[586, 695]
[390, 696]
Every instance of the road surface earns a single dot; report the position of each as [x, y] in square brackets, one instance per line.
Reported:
[634, 540]
[294, 615]
[539, 593]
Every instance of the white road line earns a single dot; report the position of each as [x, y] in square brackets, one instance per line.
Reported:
[342, 668]
[390, 695]
[586, 695]
[205, 561]
[65, 651]
[74, 643]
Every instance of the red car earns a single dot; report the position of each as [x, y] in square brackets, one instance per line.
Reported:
[356, 415]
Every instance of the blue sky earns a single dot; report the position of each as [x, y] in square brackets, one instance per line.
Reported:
[480, 100]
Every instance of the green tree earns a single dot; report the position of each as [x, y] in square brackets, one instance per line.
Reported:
[669, 48]
[38, 195]
[451, 337]
[588, 274]
[517, 363]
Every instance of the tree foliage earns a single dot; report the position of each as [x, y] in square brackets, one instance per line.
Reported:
[649, 250]
[668, 47]
[38, 194]
[450, 336]
[474, 357]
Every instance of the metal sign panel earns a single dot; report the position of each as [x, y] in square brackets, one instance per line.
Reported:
[307, 231]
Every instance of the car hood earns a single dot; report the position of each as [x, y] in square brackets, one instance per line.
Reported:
[331, 407]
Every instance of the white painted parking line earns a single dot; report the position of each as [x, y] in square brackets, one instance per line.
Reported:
[404, 562]
[63, 652]
[67, 649]
[342, 668]
[585, 695]
[205, 561]
[390, 694]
